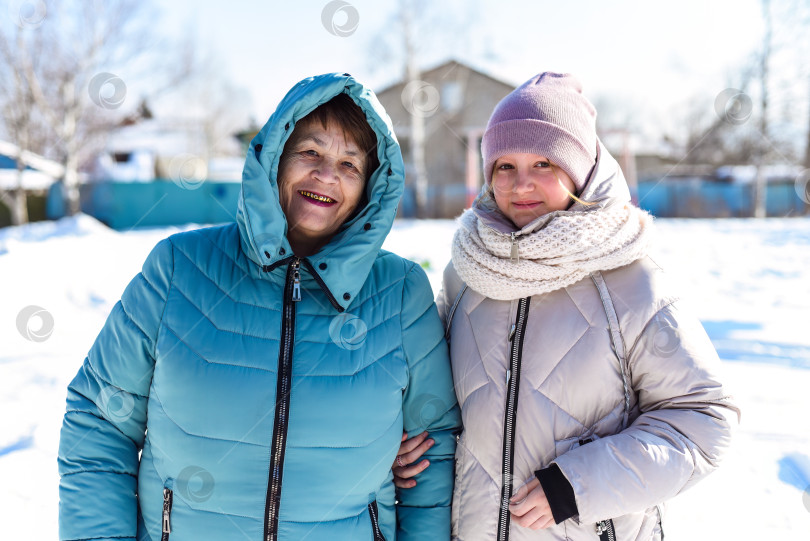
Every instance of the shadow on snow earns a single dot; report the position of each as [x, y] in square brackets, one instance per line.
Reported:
[752, 350]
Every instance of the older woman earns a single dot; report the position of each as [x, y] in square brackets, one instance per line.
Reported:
[255, 378]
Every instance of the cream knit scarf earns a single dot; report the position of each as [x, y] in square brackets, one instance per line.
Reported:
[566, 250]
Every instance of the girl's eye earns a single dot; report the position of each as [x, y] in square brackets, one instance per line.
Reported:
[505, 166]
[543, 164]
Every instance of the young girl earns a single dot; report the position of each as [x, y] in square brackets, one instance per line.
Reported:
[588, 396]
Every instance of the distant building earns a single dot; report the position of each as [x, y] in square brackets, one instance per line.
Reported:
[747, 174]
[38, 175]
[457, 103]
[163, 150]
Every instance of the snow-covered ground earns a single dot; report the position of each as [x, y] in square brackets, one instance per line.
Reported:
[748, 281]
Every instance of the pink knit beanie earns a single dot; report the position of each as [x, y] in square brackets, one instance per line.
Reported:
[546, 115]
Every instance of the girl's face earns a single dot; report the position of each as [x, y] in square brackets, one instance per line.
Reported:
[527, 186]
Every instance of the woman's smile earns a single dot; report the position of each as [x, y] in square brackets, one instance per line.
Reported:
[317, 199]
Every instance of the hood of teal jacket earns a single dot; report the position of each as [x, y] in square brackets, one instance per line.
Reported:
[262, 224]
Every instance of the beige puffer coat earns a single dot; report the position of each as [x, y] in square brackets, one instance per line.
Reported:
[571, 397]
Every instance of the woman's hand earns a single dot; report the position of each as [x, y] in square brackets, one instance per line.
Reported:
[529, 507]
[409, 452]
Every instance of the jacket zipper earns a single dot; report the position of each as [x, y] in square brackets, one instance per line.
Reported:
[512, 384]
[514, 255]
[296, 292]
[605, 530]
[292, 294]
[313, 272]
[167, 514]
[375, 525]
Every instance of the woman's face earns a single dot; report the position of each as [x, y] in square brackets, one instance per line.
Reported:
[527, 186]
[321, 181]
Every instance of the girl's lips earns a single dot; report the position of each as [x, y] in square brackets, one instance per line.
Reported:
[526, 204]
[316, 198]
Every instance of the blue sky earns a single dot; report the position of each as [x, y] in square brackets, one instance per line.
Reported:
[653, 55]
[652, 62]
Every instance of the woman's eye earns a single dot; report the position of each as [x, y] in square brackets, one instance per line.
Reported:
[350, 165]
[309, 152]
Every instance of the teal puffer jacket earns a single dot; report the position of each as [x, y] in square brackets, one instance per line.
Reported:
[214, 406]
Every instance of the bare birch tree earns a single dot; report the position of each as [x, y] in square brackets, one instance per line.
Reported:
[66, 54]
[410, 40]
[412, 77]
[760, 191]
[18, 114]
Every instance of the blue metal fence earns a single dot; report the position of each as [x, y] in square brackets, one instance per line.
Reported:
[123, 205]
[698, 198]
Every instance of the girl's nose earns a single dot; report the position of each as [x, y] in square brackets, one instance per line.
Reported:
[523, 182]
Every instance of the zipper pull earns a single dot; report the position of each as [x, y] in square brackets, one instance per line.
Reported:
[167, 510]
[508, 375]
[601, 526]
[512, 333]
[514, 257]
[296, 296]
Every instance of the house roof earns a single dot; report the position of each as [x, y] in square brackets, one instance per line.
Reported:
[448, 64]
[11, 153]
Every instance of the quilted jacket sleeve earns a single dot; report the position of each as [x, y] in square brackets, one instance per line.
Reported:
[429, 403]
[105, 421]
[683, 429]
[451, 285]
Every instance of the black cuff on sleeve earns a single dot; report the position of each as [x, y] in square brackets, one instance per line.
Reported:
[559, 493]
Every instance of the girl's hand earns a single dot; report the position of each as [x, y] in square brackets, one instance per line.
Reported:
[409, 452]
[529, 507]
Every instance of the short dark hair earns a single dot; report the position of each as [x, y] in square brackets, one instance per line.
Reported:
[350, 118]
